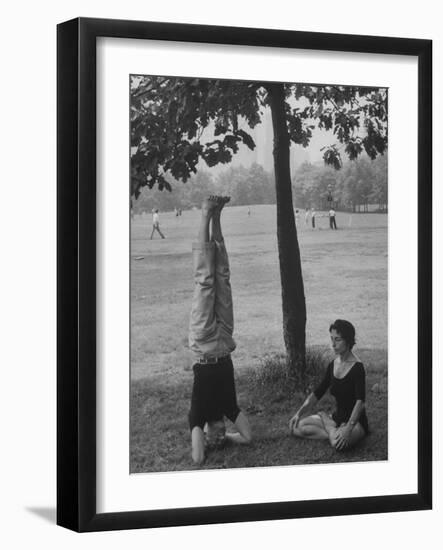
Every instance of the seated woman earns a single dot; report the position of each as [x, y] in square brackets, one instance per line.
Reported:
[345, 378]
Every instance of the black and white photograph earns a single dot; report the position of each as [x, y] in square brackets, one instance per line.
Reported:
[244, 255]
[259, 223]
[221, 275]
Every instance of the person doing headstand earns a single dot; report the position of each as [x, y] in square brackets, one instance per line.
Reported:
[210, 339]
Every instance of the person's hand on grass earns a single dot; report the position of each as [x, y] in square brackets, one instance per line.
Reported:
[293, 423]
[343, 437]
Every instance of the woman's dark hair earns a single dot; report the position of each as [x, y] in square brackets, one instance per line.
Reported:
[346, 331]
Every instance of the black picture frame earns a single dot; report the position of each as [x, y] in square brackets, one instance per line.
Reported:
[76, 278]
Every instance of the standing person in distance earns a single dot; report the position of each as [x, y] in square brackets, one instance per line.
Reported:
[313, 214]
[332, 223]
[156, 224]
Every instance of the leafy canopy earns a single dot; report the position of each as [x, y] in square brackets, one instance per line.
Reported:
[176, 122]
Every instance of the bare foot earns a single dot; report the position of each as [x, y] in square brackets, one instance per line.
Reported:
[328, 423]
[210, 205]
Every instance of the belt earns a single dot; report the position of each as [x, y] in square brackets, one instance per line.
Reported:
[212, 360]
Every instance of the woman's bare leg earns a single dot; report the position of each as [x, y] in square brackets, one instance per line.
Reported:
[330, 427]
[329, 424]
[311, 427]
[357, 433]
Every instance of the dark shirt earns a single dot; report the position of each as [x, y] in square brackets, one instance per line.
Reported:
[347, 391]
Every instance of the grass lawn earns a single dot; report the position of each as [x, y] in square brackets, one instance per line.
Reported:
[345, 275]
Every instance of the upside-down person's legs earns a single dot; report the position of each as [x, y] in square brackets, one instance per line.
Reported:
[203, 324]
[224, 312]
[223, 292]
[216, 234]
[208, 208]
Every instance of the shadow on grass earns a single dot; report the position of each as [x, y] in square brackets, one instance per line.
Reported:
[160, 437]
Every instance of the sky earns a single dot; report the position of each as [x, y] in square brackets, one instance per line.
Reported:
[262, 154]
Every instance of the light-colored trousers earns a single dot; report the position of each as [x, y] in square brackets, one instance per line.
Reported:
[212, 319]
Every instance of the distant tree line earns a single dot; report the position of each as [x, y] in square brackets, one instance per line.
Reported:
[251, 185]
[357, 185]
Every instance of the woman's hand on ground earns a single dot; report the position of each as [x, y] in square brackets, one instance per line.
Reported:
[293, 423]
[343, 437]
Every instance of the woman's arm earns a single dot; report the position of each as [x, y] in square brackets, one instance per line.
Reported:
[313, 397]
[344, 432]
[356, 412]
[309, 402]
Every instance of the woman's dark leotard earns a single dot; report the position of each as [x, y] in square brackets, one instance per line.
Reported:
[347, 391]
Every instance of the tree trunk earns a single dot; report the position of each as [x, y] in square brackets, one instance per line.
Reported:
[293, 294]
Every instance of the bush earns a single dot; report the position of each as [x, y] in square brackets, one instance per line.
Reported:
[274, 372]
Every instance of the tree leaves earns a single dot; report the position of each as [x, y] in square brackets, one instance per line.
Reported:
[169, 118]
[174, 121]
[354, 148]
[332, 157]
[246, 138]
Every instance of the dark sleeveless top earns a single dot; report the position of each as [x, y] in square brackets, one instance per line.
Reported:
[347, 391]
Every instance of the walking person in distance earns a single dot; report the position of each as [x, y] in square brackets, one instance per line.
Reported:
[156, 224]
